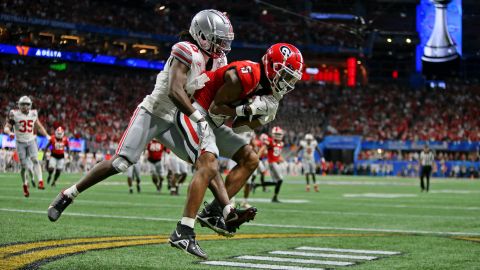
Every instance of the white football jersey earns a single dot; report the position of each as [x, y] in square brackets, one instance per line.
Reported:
[24, 125]
[158, 102]
[308, 149]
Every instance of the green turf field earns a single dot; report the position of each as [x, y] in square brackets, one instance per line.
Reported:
[107, 228]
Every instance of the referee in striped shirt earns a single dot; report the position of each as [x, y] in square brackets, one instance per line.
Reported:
[426, 161]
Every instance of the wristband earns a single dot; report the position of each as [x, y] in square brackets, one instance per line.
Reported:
[240, 110]
[196, 116]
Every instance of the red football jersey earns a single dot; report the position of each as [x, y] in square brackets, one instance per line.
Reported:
[274, 150]
[58, 146]
[155, 151]
[248, 73]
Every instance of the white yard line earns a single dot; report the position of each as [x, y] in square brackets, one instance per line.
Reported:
[323, 255]
[292, 260]
[380, 195]
[360, 251]
[322, 212]
[258, 266]
[44, 212]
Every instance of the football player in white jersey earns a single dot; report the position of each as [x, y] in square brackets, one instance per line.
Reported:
[207, 42]
[309, 146]
[24, 121]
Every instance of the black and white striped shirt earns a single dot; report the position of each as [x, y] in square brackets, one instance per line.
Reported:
[426, 158]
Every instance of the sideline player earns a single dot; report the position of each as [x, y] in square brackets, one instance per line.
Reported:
[309, 146]
[154, 156]
[274, 148]
[24, 121]
[235, 83]
[56, 163]
[206, 44]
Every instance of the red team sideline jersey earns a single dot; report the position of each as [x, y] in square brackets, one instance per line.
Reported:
[274, 150]
[155, 151]
[248, 73]
[58, 146]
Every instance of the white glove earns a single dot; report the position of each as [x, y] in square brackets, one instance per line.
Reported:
[264, 119]
[202, 130]
[48, 137]
[197, 83]
[261, 105]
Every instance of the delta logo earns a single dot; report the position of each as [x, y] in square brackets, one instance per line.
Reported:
[48, 53]
[22, 50]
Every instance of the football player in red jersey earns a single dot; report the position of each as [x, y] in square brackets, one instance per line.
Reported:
[224, 96]
[57, 145]
[154, 156]
[274, 156]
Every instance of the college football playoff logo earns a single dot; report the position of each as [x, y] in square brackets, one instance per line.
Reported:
[285, 51]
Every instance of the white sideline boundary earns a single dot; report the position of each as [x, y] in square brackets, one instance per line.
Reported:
[258, 265]
[44, 212]
[292, 260]
[358, 251]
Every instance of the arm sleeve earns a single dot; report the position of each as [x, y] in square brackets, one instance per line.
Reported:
[182, 52]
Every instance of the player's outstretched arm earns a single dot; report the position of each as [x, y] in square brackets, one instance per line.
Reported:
[177, 79]
[41, 129]
[47, 146]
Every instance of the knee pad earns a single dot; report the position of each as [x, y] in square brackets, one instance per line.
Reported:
[121, 164]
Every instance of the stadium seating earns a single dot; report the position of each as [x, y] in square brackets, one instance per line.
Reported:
[96, 102]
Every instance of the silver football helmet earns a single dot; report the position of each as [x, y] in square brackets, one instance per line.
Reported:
[213, 32]
[25, 104]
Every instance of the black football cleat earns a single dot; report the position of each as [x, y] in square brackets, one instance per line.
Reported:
[214, 221]
[183, 238]
[58, 205]
[237, 217]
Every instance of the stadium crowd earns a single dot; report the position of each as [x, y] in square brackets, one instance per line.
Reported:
[96, 102]
[166, 19]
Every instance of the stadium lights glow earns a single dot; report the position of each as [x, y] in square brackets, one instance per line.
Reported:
[408, 40]
[143, 51]
[389, 40]
[161, 8]
[359, 62]
[379, 151]
[264, 12]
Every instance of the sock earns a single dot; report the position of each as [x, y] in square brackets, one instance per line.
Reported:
[24, 176]
[277, 187]
[190, 222]
[57, 174]
[226, 210]
[71, 192]
[38, 171]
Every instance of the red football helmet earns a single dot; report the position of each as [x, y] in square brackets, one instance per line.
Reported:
[283, 65]
[59, 132]
[277, 133]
